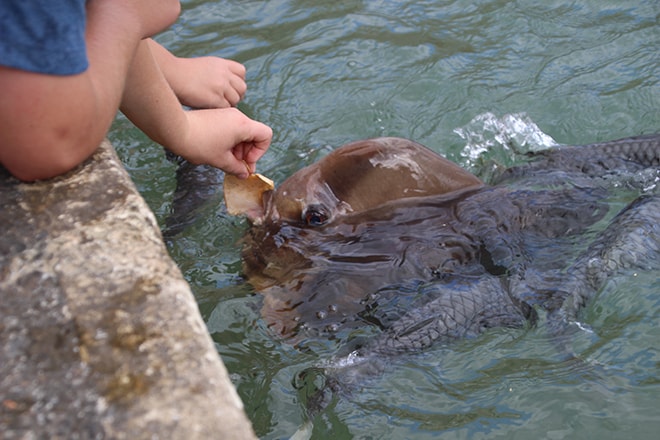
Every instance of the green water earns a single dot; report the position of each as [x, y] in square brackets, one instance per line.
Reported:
[497, 72]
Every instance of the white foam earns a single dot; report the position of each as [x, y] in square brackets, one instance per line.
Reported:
[502, 138]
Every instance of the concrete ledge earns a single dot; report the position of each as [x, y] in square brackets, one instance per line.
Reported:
[100, 336]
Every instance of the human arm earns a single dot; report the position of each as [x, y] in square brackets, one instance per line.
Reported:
[203, 82]
[221, 137]
[49, 124]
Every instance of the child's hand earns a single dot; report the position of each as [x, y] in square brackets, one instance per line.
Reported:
[224, 138]
[208, 82]
[205, 82]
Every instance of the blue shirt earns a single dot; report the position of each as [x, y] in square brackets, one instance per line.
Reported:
[44, 36]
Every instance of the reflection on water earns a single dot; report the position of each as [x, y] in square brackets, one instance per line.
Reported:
[322, 74]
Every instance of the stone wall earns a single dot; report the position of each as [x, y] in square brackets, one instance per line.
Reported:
[100, 336]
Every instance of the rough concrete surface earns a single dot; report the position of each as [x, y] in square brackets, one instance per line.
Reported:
[100, 336]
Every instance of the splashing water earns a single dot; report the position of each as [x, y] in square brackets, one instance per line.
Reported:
[498, 142]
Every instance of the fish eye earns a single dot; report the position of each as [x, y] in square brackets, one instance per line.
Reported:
[315, 216]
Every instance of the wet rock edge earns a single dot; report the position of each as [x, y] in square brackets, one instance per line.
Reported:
[100, 335]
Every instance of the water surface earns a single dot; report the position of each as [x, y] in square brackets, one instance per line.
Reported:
[469, 79]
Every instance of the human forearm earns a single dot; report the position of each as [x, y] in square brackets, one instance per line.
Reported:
[150, 103]
[115, 31]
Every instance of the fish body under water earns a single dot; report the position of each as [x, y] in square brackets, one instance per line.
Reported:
[388, 234]
[360, 238]
[331, 242]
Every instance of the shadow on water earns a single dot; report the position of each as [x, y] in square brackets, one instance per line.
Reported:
[509, 77]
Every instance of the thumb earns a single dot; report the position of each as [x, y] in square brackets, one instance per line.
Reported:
[236, 167]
